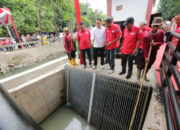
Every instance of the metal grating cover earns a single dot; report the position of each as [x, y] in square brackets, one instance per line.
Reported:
[113, 100]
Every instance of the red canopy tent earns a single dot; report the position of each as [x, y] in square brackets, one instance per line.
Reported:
[6, 19]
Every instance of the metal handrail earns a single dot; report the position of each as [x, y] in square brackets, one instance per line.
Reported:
[167, 70]
[27, 43]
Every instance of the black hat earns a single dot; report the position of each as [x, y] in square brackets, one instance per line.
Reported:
[129, 20]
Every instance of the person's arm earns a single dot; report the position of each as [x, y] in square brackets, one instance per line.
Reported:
[139, 37]
[122, 44]
[146, 45]
[161, 40]
[78, 40]
[118, 38]
[92, 38]
[137, 46]
[118, 34]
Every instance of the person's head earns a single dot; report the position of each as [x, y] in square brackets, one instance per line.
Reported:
[142, 25]
[109, 21]
[156, 24]
[98, 22]
[177, 19]
[82, 26]
[66, 30]
[129, 23]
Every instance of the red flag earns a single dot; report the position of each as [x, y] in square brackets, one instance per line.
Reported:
[77, 10]
[78, 18]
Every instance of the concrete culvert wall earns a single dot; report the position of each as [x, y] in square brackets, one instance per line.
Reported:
[113, 100]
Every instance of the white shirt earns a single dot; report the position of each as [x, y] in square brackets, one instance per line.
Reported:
[99, 37]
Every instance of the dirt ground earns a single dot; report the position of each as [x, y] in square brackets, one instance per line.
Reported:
[10, 60]
[155, 118]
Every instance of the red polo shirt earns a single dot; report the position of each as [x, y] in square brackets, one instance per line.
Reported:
[177, 30]
[130, 39]
[84, 39]
[111, 34]
[144, 33]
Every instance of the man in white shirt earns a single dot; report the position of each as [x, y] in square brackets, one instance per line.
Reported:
[98, 42]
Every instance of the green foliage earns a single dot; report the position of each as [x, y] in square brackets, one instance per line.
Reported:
[55, 14]
[169, 8]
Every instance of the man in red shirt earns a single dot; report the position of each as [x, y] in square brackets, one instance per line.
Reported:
[68, 45]
[113, 35]
[177, 30]
[145, 29]
[158, 36]
[130, 45]
[83, 38]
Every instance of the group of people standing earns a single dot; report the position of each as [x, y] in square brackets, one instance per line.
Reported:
[135, 45]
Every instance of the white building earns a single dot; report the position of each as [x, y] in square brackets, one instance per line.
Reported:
[120, 10]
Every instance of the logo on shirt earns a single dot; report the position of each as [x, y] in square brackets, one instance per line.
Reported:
[140, 31]
[113, 31]
[132, 33]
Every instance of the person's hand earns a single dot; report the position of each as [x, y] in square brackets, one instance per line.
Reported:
[134, 52]
[153, 43]
[108, 44]
[146, 60]
[120, 48]
[92, 43]
[176, 40]
[171, 52]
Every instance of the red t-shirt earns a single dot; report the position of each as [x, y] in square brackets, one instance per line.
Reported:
[130, 39]
[144, 32]
[111, 34]
[158, 39]
[67, 43]
[84, 39]
[177, 30]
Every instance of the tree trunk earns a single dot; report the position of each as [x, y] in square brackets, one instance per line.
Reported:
[55, 23]
[40, 27]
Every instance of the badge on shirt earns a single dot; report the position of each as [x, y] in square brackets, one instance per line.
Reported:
[113, 31]
[140, 31]
[132, 33]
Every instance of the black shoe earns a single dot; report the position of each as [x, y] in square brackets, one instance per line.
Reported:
[121, 73]
[128, 76]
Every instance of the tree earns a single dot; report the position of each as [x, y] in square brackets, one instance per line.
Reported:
[169, 8]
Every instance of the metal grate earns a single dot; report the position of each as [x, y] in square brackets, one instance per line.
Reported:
[113, 102]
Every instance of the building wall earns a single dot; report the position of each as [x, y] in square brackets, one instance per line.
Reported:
[130, 8]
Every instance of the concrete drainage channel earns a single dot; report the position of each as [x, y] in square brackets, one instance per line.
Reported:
[105, 102]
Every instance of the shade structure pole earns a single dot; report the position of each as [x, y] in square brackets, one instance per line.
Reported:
[78, 18]
[9, 32]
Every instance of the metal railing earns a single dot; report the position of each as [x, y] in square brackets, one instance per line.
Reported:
[170, 82]
[25, 44]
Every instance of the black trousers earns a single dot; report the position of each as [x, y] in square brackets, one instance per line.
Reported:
[84, 51]
[73, 55]
[96, 51]
[138, 54]
[127, 58]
